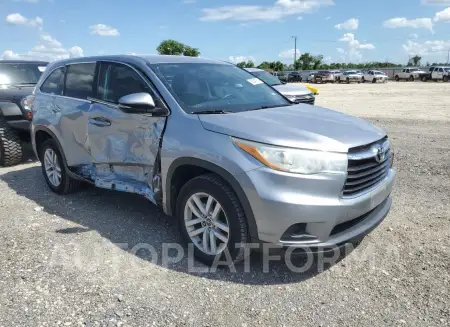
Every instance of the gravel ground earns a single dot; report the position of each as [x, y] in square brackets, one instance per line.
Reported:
[69, 261]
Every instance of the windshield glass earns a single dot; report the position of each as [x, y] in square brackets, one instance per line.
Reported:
[21, 73]
[267, 77]
[216, 87]
[447, 69]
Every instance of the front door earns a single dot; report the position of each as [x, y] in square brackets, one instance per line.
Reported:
[123, 146]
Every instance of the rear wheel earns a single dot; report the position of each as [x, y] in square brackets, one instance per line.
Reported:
[424, 79]
[363, 79]
[445, 78]
[10, 145]
[54, 169]
[411, 78]
[212, 219]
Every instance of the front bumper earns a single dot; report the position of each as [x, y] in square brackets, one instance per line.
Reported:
[282, 202]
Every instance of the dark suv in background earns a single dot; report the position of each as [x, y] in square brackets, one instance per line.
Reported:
[17, 81]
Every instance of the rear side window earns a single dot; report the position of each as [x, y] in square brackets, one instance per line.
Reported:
[117, 80]
[441, 70]
[80, 81]
[54, 82]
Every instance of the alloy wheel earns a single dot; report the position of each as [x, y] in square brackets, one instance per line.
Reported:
[206, 223]
[52, 167]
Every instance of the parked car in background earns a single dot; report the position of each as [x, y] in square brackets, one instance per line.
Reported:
[310, 77]
[282, 76]
[236, 162]
[324, 76]
[439, 73]
[17, 81]
[337, 75]
[350, 76]
[294, 92]
[294, 77]
[410, 74]
[374, 76]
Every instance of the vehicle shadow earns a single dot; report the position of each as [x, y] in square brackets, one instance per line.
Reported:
[130, 219]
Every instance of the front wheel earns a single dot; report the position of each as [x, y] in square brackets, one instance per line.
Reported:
[374, 80]
[55, 170]
[363, 80]
[212, 219]
[397, 78]
[424, 79]
[411, 78]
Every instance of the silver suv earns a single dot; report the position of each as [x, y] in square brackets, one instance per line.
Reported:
[211, 144]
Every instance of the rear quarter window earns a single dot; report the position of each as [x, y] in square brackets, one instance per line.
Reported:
[54, 82]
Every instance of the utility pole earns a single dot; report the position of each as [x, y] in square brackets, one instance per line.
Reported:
[295, 50]
[448, 56]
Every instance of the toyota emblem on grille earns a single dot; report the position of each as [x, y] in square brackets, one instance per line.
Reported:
[380, 153]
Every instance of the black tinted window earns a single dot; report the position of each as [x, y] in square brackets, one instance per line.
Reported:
[117, 80]
[80, 81]
[54, 82]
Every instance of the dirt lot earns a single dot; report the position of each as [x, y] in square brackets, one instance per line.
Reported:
[68, 261]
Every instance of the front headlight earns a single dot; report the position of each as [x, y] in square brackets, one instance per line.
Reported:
[295, 160]
[291, 98]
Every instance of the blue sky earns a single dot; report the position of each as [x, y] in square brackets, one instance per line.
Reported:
[233, 30]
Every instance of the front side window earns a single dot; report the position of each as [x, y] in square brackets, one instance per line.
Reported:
[80, 81]
[20, 73]
[216, 87]
[54, 82]
[117, 80]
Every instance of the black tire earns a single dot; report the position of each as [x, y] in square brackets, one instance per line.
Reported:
[445, 78]
[411, 78]
[222, 192]
[10, 146]
[424, 79]
[348, 80]
[374, 80]
[363, 80]
[68, 184]
[397, 79]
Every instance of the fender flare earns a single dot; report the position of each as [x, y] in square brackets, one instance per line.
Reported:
[224, 174]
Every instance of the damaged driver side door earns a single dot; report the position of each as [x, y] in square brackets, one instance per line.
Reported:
[123, 146]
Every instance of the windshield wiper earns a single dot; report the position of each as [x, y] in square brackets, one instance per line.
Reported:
[211, 112]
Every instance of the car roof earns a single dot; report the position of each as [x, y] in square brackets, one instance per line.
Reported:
[151, 59]
[23, 62]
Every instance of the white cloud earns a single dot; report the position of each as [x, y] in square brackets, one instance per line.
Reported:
[414, 36]
[442, 16]
[426, 48]
[47, 48]
[237, 59]
[299, 18]
[351, 24]
[398, 22]
[104, 30]
[277, 11]
[354, 47]
[18, 19]
[436, 2]
[288, 53]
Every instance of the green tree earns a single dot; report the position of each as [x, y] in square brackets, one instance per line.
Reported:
[245, 64]
[170, 47]
[264, 65]
[416, 60]
[305, 61]
[276, 66]
[190, 51]
[317, 61]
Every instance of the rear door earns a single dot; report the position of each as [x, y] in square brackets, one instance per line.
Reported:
[123, 146]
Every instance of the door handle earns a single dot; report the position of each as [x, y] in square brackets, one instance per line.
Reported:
[100, 121]
[55, 107]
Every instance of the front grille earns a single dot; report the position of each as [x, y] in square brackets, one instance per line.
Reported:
[364, 170]
[303, 99]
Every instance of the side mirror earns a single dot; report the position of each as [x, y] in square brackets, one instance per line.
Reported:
[140, 103]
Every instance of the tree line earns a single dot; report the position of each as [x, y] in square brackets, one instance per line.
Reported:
[306, 61]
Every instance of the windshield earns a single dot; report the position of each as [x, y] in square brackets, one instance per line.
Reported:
[216, 87]
[447, 69]
[21, 73]
[266, 77]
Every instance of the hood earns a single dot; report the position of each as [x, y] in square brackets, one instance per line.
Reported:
[298, 126]
[292, 89]
[15, 93]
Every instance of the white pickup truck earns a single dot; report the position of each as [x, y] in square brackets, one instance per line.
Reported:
[437, 74]
[374, 76]
[409, 74]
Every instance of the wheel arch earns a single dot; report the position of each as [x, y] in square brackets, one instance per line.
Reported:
[197, 167]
